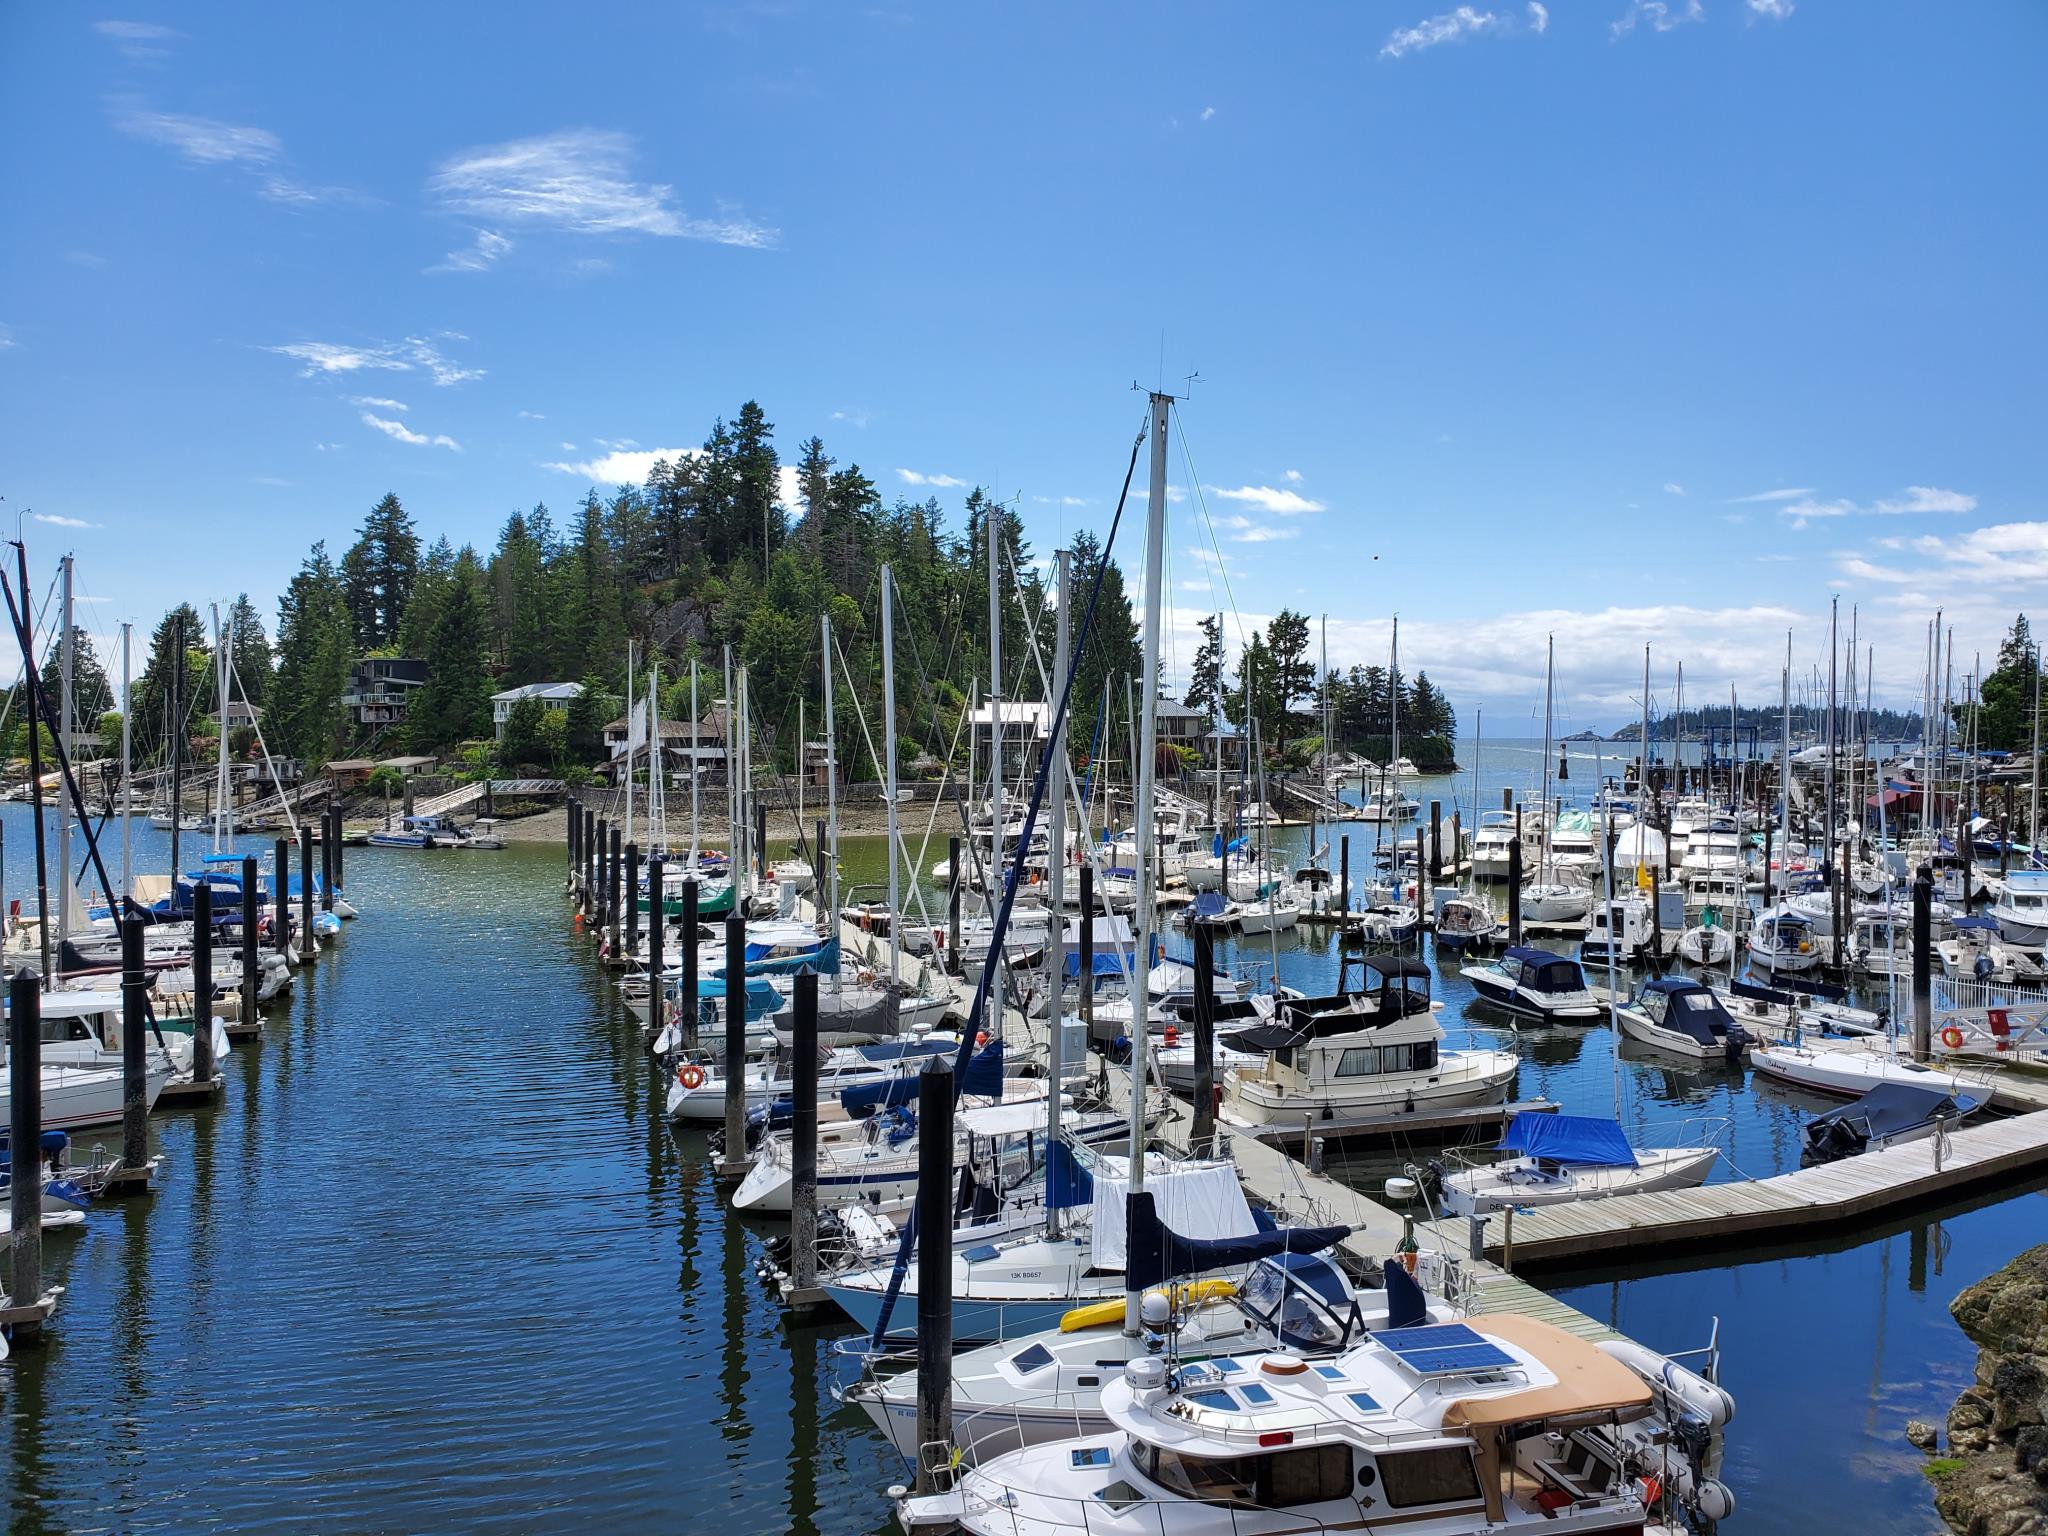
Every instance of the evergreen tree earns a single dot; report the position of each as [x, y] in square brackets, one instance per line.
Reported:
[1294, 674]
[2006, 719]
[1113, 650]
[1205, 678]
[429, 592]
[814, 486]
[522, 598]
[378, 573]
[315, 639]
[91, 692]
[583, 729]
[454, 705]
[153, 687]
[757, 515]
[594, 630]
[525, 734]
[251, 652]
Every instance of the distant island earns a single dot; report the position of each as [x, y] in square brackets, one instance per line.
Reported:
[1584, 736]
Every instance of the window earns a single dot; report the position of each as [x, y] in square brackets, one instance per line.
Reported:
[1213, 1398]
[1227, 1477]
[1359, 1061]
[1089, 1456]
[1307, 1476]
[1036, 1358]
[1440, 1475]
[1653, 1007]
[1425, 1056]
[1256, 1394]
[1364, 1402]
[1397, 1058]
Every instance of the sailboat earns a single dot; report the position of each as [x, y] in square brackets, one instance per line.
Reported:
[1550, 898]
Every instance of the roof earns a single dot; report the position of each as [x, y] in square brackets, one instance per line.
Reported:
[402, 762]
[1173, 709]
[538, 691]
[1018, 715]
[671, 730]
[1591, 1384]
[351, 765]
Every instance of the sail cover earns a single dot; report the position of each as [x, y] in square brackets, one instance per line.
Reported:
[1584, 1140]
[1201, 1200]
[1159, 1253]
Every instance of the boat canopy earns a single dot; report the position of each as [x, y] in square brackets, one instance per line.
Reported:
[1547, 971]
[1890, 1108]
[1975, 922]
[1692, 1009]
[1201, 1201]
[1584, 1141]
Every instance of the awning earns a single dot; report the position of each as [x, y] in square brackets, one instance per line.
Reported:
[1592, 1386]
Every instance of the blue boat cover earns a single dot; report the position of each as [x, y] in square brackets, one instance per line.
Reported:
[1974, 922]
[983, 1077]
[1154, 1255]
[1105, 962]
[1207, 904]
[1548, 971]
[1068, 1184]
[1585, 1140]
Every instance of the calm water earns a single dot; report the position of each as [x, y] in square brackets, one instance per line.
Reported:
[436, 1263]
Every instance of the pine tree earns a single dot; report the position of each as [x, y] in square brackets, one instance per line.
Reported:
[379, 571]
[525, 740]
[757, 514]
[1294, 674]
[429, 592]
[2006, 720]
[315, 639]
[583, 729]
[153, 687]
[454, 705]
[814, 486]
[594, 630]
[251, 653]
[91, 692]
[1205, 678]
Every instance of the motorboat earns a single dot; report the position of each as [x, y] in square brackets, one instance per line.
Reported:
[1393, 924]
[1557, 1159]
[1713, 846]
[1679, 1016]
[1275, 910]
[1537, 983]
[1976, 951]
[1719, 891]
[1627, 928]
[1368, 1052]
[1783, 940]
[1464, 918]
[2021, 909]
[1574, 846]
[85, 1098]
[84, 1029]
[483, 833]
[1499, 1424]
[1886, 1116]
[1850, 1071]
[1796, 1006]
[1491, 841]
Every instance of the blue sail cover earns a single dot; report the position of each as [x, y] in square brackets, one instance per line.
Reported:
[1585, 1140]
[983, 1077]
[1105, 962]
[1068, 1184]
[1154, 1255]
[1207, 904]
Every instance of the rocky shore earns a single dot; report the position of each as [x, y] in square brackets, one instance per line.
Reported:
[1992, 1480]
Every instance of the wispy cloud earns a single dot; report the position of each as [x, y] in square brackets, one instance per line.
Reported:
[405, 434]
[1266, 498]
[1292, 476]
[1061, 501]
[1792, 493]
[1207, 113]
[208, 141]
[854, 417]
[2002, 555]
[578, 180]
[140, 42]
[415, 352]
[1915, 500]
[56, 520]
[623, 466]
[1659, 15]
[940, 482]
[378, 403]
[1673, 488]
[1776, 10]
[7, 339]
[480, 255]
[1243, 530]
[1452, 26]
[531, 416]
[1539, 17]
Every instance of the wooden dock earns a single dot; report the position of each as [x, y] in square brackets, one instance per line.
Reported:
[1725, 1216]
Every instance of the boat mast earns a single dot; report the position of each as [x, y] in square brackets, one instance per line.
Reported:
[2034, 790]
[223, 641]
[695, 761]
[995, 740]
[827, 880]
[1056, 891]
[889, 761]
[64, 672]
[1543, 811]
[127, 775]
[1784, 773]
[1140, 991]
[632, 720]
[1643, 769]
[732, 780]
[657, 798]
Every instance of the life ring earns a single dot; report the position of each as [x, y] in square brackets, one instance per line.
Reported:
[980, 1038]
[691, 1076]
[1952, 1037]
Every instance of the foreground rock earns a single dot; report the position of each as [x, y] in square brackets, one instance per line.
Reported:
[1994, 1479]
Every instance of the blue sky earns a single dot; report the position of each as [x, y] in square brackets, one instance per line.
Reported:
[1616, 319]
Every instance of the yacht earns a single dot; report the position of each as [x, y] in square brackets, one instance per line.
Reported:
[1491, 841]
[1783, 941]
[1679, 1016]
[2021, 910]
[1496, 1424]
[1359, 1054]
[1713, 846]
[1625, 930]
[1537, 983]
[1464, 918]
[1557, 1159]
[697, 1087]
[1575, 845]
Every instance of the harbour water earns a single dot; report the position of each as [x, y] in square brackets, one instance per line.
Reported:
[437, 1262]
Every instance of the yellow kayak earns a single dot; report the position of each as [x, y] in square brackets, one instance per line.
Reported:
[1100, 1314]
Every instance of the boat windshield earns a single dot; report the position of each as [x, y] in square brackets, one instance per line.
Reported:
[1303, 1299]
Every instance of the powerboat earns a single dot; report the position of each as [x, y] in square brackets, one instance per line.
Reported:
[2021, 910]
[1558, 1159]
[1556, 901]
[1891, 1113]
[1784, 940]
[1537, 983]
[420, 832]
[1464, 918]
[697, 1087]
[483, 833]
[1976, 951]
[1850, 1071]
[1679, 1016]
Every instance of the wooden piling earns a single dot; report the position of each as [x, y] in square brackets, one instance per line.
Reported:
[687, 1003]
[25, 1146]
[734, 1168]
[572, 829]
[309, 946]
[935, 1268]
[657, 993]
[280, 903]
[761, 863]
[1202, 1133]
[613, 901]
[326, 862]
[1515, 884]
[803, 1293]
[1436, 842]
[1343, 872]
[632, 901]
[251, 970]
[337, 882]
[1923, 963]
[202, 984]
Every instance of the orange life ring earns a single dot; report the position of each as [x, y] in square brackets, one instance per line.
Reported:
[1952, 1037]
[691, 1076]
[1172, 1036]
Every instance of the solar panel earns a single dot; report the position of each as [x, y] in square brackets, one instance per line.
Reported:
[1443, 1349]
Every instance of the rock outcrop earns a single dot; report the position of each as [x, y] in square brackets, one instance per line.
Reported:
[1994, 1479]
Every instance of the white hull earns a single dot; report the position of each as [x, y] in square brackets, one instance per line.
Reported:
[1851, 1073]
[1522, 1183]
[1462, 1077]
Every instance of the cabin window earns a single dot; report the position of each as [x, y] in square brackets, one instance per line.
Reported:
[1036, 1358]
[1511, 970]
[1284, 1057]
[1397, 1058]
[1425, 1055]
[1226, 1477]
[1307, 1476]
[1359, 1061]
[1653, 1007]
[1442, 1474]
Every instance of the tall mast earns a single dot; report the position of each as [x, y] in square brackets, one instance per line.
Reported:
[1784, 770]
[1056, 959]
[828, 877]
[177, 729]
[1543, 810]
[631, 722]
[127, 775]
[2034, 791]
[1643, 774]
[732, 779]
[64, 707]
[889, 757]
[223, 640]
[995, 716]
[1140, 991]
[1828, 789]
[695, 762]
[657, 798]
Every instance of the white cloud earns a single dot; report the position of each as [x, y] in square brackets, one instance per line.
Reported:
[789, 491]
[140, 42]
[941, 482]
[1673, 488]
[623, 466]
[327, 447]
[405, 434]
[1207, 113]
[568, 447]
[1243, 530]
[1292, 477]
[1791, 494]
[1539, 17]
[202, 140]
[7, 339]
[1776, 10]
[2001, 555]
[57, 521]
[322, 357]
[531, 416]
[1285, 503]
[1660, 14]
[479, 256]
[854, 418]
[1449, 27]
[1140, 494]
[577, 180]
[378, 403]
[1915, 500]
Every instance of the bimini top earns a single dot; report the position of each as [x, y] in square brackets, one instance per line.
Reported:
[1584, 1141]
[1548, 972]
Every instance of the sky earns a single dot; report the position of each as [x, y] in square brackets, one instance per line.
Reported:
[1620, 321]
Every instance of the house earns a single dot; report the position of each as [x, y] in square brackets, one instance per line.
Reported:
[682, 745]
[408, 767]
[1026, 727]
[240, 713]
[554, 696]
[379, 687]
[1222, 748]
[1181, 725]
